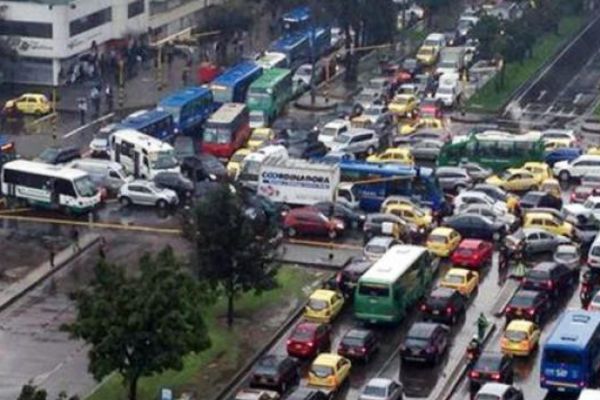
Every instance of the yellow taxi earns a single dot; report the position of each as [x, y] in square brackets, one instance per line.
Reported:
[412, 127]
[540, 170]
[442, 241]
[593, 151]
[323, 305]
[329, 371]
[403, 104]
[520, 338]
[400, 155]
[235, 162]
[259, 137]
[515, 179]
[428, 55]
[31, 103]
[553, 144]
[420, 217]
[551, 186]
[360, 121]
[463, 280]
[547, 222]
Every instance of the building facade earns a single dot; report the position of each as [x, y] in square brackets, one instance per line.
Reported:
[50, 36]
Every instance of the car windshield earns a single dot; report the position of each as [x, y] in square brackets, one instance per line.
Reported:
[438, 238]
[317, 304]
[302, 335]
[328, 131]
[401, 100]
[464, 252]
[374, 391]
[553, 356]
[485, 396]
[452, 278]
[164, 159]
[304, 70]
[445, 90]
[522, 301]
[342, 139]
[506, 175]
[595, 251]
[352, 341]
[238, 157]
[85, 187]
[48, 155]
[184, 146]
[321, 371]
[488, 363]
[174, 111]
[375, 249]
[260, 135]
[413, 341]
[217, 135]
[372, 111]
[537, 275]
[425, 51]
[515, 336]
[373, 290]
[266, 366]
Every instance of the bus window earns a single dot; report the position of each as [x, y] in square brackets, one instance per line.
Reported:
[64, 187]
[505, 149]
[470, 149]
[374, 290]
[561, 357]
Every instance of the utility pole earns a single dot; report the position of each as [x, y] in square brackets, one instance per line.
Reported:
[121, 86]
[55, 115]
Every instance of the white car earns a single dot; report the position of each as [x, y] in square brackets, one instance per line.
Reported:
[331, 130]
[552, 134]
[146, 193]
[378, 246]
[381, 389]
[257, 394]
[498, 391]
[577, 167]
[471, 197]
[590, 207]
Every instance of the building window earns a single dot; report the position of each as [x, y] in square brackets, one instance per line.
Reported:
[26, 29]
[90, 21]
[135, 8]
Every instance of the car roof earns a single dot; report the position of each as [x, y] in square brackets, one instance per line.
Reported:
[421, 329]
[493, 388]
[322, 294]
[458, 271]
[519, 325]
[327, 359]
[545, 266]
[358, 333]
[442, 230]
[380, 240]
[470, 243]
[379, 382]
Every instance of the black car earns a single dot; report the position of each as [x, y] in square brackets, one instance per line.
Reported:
[341, 211]
[536, 199]
[425, 342]
[444, 305]
[531, 305]
[59, 155]
[176, 182]
[347, 278]
[491, 367]
[203, 167]
[590, 283]
[358, 344]
[304, 393]
[476, 226]
[552, 278]
[275, 372]
[307, 150]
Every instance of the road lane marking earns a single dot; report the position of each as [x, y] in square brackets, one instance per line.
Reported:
[14, 210]
[315, 243]
[100, 225]
[77, 130]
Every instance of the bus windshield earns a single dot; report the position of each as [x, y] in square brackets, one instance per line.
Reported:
[163, 160]
[217, 135]
[374, 290]
[85, 187]
[561, 357]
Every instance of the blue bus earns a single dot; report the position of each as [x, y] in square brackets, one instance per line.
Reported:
[295, 20]
[571, 355]
[295, 47]
[190, 108]
[156, 123]
[374, 182]
[232, 85]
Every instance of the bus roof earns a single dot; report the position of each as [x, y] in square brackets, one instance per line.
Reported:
[269, 78]
[236, 73]
[384, 169]
[55, 171]
[394, 263]
[141, 118]
[575, 329]
[136, 137]
[499, 135]
[298, 14]
[226, 113]
[264, 152]
[181, 97]
[270, 58]
[289, 42]
[302, 165]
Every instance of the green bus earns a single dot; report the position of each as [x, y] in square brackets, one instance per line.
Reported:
[393, 284]
[493, 149]
[268, 95]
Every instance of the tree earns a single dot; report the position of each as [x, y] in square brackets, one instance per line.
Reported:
[232, 253]
[143, 324]
[31, 392]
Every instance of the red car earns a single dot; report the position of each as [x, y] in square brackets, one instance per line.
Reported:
[309, 339]
[472, 253]
[311, 221]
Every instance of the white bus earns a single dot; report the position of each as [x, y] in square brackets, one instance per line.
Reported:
[141, 155]
[251, 164]
[50, 186]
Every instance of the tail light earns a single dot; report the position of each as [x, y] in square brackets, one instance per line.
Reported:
[423, 307]
[508, 309]
[581, 384]
[449, 310]
[531, 311]
[474, 374]
[573, 196]
[549, 284]
[363, 349]
[310, 344]
[496, 376]
[289, 342]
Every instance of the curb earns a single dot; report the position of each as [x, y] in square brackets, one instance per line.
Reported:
[45, 276]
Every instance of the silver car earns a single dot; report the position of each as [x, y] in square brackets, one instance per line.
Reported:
[146, 193]
[378, 246]
[382, 389]
[427, 149]
[534, 241]
[453, 179]
[509, 220]
[356, 141]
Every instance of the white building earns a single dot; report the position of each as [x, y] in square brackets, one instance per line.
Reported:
[51, 34]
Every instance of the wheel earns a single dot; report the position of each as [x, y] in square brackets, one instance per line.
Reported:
[564, 176]
[453, 319]
[125, 201]
[291, 232]
[370, 150]
[283, 387]
[332, 234]
[162, 204]
[496, 236]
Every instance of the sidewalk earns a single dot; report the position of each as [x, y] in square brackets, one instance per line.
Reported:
[16, 290]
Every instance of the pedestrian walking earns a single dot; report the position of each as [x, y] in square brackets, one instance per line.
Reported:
[52, 255]
[102, 248]
[482, 324]
[95, 97]
[82, 107]
[108, 93]
[75, 239]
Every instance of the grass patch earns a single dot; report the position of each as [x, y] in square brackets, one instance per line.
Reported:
[597, 111]
[225, 345]
[488, 99]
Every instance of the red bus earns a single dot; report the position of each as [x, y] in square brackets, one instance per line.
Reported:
[226, 130]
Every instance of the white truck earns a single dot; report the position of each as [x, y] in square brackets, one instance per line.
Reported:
[449, 89]
[301, 182]
[452, 60]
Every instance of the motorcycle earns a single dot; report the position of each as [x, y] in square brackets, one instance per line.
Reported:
[473, 352]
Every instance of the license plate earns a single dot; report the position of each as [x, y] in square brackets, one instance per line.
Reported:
[264, 380]
[436, 312]
[415, 351]
[519, 312]
[298, 346]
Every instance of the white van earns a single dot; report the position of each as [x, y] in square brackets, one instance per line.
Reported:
[332, 129]
[449, 89]
[594, 254]
[105, 173]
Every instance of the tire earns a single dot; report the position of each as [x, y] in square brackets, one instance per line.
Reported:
[496, 236]
[283, 387]
[564, 176]
[453, 319]
[332, 234]
[370, 151]
[125, 201]
[291, 232]
[162, 204]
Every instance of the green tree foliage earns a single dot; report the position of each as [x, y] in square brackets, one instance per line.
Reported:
[233, 254]
[31, 392]
[140, 325]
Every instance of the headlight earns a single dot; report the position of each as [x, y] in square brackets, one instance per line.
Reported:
[339, 225]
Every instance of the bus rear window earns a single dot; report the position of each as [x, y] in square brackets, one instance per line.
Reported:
[561, 357]
[373, 290]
